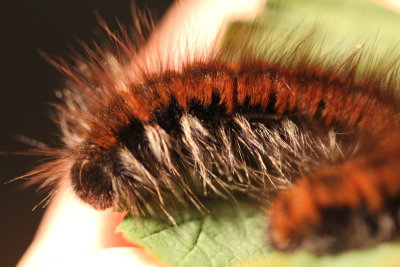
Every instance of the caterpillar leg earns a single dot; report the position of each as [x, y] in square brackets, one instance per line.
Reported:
[353, 205]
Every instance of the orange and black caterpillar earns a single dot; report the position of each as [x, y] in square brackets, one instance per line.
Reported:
[320, 138]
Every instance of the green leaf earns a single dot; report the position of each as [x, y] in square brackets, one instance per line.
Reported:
[340, 25]
[384, 255]
[230, 233]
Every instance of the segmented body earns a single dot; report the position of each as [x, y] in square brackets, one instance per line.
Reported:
[253, 127]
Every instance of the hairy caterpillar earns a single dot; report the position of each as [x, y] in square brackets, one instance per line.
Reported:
[219, 126]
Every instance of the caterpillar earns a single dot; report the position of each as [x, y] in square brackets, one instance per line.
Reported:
[317, 145]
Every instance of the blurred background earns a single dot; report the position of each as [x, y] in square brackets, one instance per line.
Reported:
[28, 82]
[27, 85]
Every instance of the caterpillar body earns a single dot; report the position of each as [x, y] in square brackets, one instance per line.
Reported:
[318, 146]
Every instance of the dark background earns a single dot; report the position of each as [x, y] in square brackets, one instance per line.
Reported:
[27, 85]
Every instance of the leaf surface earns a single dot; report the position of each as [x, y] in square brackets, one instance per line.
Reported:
[229, 234]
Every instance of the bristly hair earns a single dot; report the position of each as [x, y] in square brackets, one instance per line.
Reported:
[224, 125]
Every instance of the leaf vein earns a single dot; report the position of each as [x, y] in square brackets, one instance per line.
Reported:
[195, 241]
